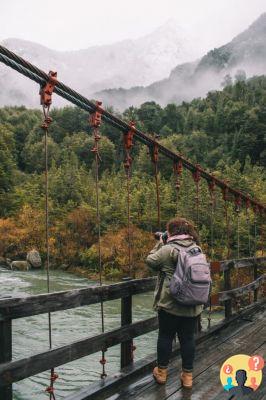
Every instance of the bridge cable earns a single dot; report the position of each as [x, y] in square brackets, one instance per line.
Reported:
[178, 168]
[154, 152]
[248, 226]
[46, 91]
[237, 210]
[128, 143]
[211, 185]
[95, 122]
[225, 198]
[196, 176]
[247, 204]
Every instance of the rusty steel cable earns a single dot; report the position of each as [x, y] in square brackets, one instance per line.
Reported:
[128, 143]
[45, 127]
[255, 234]
[211, 186]
[248, 228]
[95, 122]
[14, 61]
[46, 91]
[249, 244]
[178, 168]
[129, 232]
[238, 248]
[196, 177]
[225, 198]
[154, 152]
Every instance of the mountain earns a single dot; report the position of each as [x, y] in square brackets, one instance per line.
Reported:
[127, 63]
[246, 52]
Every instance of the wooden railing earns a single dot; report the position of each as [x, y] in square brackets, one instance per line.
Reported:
[20, 307]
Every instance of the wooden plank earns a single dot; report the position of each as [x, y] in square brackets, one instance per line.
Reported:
[21, 369]
[259, 394]
[6, 354]
[206, 355]
[207, 383]
[19, 307]
[243, 263]
[101, 390]
[232, 293]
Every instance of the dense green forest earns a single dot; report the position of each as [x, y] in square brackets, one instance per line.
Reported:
[225, 133]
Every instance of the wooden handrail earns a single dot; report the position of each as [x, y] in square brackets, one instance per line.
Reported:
[17, 370]
[233, 293]
[242, 263]
[18, 307]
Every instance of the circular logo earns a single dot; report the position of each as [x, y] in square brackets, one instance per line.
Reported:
[242, 373]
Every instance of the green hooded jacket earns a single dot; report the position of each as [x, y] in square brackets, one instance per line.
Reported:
[163, 258]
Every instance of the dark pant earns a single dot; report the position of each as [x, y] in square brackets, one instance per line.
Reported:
[184, 327]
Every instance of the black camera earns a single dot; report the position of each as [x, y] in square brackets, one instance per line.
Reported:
[163, 235]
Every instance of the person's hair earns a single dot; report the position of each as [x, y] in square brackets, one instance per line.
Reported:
[181, 226]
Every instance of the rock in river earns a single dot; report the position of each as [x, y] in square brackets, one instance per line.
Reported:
[34, 258]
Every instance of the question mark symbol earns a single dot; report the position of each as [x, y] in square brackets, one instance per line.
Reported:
[227, 369]
[256, 362]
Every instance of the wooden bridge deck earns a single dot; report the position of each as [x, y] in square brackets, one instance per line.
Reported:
[246, 335]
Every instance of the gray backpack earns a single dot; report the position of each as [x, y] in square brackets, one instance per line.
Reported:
[191, 283]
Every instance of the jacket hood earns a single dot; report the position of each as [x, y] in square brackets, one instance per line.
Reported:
[184, 242]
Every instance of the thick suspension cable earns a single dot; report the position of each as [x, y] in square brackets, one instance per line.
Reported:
[18, 63]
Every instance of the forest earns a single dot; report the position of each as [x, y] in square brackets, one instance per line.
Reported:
[225, 133]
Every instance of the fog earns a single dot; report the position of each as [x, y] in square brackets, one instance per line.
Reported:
[65, 25]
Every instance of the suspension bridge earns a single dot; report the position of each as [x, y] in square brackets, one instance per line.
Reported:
[241, 331]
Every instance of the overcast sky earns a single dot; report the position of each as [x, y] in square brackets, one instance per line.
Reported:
[70, 25]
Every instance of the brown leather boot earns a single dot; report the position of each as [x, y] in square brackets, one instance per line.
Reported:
[160, 375]
[186, 379]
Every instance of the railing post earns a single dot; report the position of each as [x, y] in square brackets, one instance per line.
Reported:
[6, 354]
[227, 286]
[126, 318]
[198, 327]
[255, 276]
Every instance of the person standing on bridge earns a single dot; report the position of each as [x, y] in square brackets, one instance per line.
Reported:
[173, 317]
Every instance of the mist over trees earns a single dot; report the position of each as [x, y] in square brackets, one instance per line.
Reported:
[224, 132]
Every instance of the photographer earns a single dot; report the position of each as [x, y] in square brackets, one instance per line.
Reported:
[173, 318]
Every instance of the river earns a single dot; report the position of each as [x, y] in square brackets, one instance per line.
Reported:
[30, 335]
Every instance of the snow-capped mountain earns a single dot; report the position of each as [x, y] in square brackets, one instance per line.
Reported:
[246, 52]
[124, 64]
